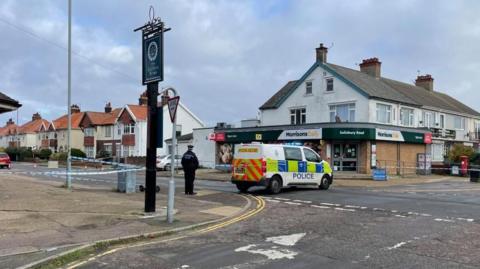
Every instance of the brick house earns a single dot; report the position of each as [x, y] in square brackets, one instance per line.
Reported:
[28, 132]
[99, 132]
[8, 134]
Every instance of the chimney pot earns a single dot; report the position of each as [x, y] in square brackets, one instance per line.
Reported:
[321, 52]
[74, 109]
[371, 66]
[10, 121]
[36, 116]
[425, 81]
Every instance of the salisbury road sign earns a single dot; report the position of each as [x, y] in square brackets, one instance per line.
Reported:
[172, 106]
[153, 59]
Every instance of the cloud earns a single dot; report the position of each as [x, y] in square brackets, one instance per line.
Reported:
[227, 57]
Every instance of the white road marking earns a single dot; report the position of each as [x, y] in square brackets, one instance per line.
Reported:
[271, 254]
[320, 206]
[469, 220]
[400, 216]
[393, 211]
[378, 209]
[363, 207]
[281, 199]
[302, 201]
[271, 200]
[444, 220]
[329, 204]
[286, 240]
[425, 215]
[292, 203]
[352, 206]
[397, 245]
[344, 209]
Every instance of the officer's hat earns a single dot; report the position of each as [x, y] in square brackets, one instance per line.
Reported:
[190, 146]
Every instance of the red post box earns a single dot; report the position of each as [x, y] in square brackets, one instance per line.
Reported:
[463, 165]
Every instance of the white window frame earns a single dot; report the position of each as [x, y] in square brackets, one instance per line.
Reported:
[129, 128]
[430, 123]
[351, 108]
[462, 122]
[90, 131]
[388, 111]
[293, 115]
[441, 121]
[90, 152]
[309, 87]
[108, 131]
[411, 116]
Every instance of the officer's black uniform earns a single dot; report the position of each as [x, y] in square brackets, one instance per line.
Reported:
[189, 164]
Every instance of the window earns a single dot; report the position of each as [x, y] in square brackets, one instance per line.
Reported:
[90, 152]
[293, 154]
[428, 119]
[442, 121]
[298, 116]
[308, 87]
[119, 130]
[406, 116]
[311, 156]
[88, 131]
[342, 113]
[108, 131]
[129, 128]
[131, 151]
[384, 113]
[459, 122]
[329, 84]
[437, 152]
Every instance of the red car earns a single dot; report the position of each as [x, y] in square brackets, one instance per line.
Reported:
[5, 160]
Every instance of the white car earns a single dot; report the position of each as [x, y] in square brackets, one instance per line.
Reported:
[164, 162]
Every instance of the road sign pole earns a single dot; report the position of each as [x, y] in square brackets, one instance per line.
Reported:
[171, 182]
[151, 173]
[69, 102]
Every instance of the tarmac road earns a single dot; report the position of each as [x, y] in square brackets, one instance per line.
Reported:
[434, 225]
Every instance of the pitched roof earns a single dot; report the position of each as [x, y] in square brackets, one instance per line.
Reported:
[62, 122]
[140, 112]
[32, 126]
[103, 118]
[185, 137]
[382, 88]
[8, 129]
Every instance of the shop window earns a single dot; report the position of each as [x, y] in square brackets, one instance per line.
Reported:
[308, 88]
[293, 154]
[298, 116]
[342, 113]
[311, 156]
[406, 116]
[329, 82]
[384, 113]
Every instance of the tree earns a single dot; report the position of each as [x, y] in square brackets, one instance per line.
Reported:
[460, 150]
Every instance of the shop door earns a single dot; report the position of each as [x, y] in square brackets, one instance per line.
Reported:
[345, 157]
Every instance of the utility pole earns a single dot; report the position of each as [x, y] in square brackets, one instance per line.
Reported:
[69, 102]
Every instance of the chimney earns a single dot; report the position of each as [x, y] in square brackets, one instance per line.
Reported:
[371, 67]
[75, 109]
[10, 122]
[425, 82]
[36, 116]
[143, 100]
[321, 53]
[108, 107]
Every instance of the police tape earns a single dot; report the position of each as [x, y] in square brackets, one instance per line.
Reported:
[92, 160]
[73, 173]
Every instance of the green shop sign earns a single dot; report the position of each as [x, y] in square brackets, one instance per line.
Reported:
[349, 133]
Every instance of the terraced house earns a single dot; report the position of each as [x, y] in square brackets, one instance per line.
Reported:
[360, 120]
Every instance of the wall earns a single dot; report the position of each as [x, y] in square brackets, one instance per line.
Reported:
[392, 154]
[76, 139]
[317, 104]
[203, 147]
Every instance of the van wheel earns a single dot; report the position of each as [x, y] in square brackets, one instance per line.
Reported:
[242, 187]
[324, 183]
[275, 185]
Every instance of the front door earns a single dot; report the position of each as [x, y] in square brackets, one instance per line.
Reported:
[345, 157]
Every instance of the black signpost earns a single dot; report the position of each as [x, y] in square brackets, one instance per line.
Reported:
[152, 69]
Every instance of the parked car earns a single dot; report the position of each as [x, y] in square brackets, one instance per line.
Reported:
[164, 163]
[5, 160]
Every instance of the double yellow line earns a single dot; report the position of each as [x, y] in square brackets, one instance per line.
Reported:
[260, 206]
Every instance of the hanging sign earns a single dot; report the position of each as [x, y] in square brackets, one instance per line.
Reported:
[153, 59]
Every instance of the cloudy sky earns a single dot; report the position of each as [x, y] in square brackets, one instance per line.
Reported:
[227, 57]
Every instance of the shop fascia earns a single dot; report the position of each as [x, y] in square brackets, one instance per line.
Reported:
[323, 133]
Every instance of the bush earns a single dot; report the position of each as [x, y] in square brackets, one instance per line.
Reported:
[475, 159]
[44, 154]
[19, 154]
[78, 153]
[460, 150]
[59, 156]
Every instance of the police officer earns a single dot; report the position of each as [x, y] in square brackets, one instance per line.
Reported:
[189, 164]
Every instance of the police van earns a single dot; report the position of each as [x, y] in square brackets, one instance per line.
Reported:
[275, 166]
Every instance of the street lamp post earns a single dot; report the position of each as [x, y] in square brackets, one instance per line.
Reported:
[69, 113]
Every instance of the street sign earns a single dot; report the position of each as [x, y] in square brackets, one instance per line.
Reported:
[153, 59]
[172, 107]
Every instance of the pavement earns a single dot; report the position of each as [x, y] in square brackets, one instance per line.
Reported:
[41, 218]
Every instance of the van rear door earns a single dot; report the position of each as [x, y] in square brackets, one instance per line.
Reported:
[247, 162]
